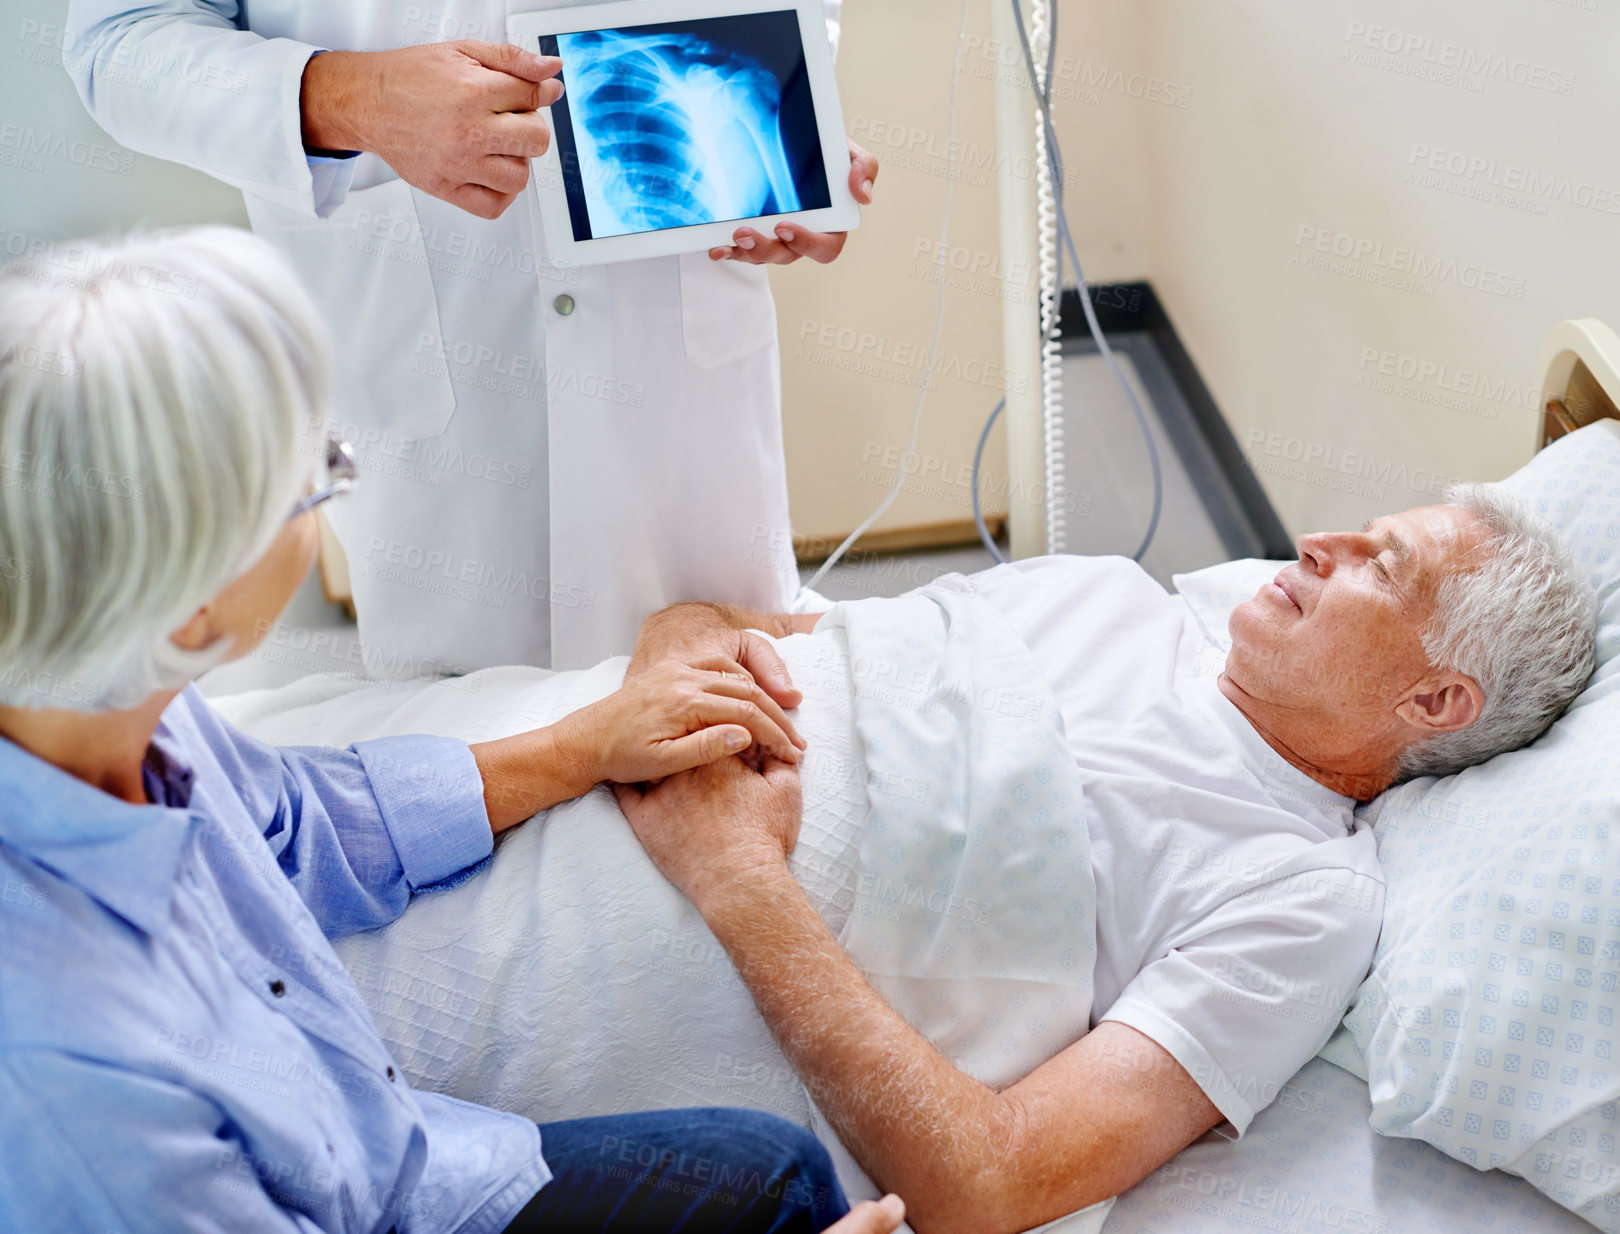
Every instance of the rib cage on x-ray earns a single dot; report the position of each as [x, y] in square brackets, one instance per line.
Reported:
[672, 130]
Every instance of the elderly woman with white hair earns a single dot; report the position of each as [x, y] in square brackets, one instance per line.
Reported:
[179, 1046]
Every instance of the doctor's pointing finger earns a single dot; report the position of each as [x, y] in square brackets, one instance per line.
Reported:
[456, 120]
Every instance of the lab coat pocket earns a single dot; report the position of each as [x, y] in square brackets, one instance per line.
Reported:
[726, 310]
[366, 267]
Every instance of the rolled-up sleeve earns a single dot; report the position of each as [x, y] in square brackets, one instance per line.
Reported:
[431, 797]
[357, 831]
[360, 831]
[332, 178]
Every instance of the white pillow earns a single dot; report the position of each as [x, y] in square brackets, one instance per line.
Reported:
[1213, 592]
[1487, 1026]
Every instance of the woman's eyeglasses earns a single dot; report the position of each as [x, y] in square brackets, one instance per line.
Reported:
[338, 477]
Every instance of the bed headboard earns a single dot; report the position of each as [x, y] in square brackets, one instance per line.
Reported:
[1580, 377]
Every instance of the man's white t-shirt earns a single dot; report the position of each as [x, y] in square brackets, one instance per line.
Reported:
[1238, 900]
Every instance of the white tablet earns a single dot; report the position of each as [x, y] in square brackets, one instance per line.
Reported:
[682, 120]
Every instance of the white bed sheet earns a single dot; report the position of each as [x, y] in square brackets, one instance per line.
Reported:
[1311, 1164]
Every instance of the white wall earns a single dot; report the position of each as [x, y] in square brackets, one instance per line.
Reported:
[1212, 148]
[1299, 133]
[60, 175]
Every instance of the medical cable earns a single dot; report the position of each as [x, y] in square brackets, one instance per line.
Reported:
[1044, 99]
[1051, 425]
[939, 318]
[978, 514]
[1049, 264]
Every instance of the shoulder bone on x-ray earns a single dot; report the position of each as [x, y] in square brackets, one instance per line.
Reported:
[672, 130]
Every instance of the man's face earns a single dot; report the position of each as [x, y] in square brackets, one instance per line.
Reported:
[1341, 628]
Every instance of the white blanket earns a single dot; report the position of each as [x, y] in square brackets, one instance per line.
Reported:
[944, 841]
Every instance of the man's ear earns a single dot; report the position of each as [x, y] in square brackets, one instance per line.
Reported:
[1444, 705]
[197, 633]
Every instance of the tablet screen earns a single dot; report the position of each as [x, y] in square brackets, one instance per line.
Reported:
[705, 120]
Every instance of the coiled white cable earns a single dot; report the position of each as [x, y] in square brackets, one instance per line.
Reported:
[1054, 153]
[1051, 289]
[907, 459]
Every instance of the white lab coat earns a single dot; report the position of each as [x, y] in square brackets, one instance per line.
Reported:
[539, 473]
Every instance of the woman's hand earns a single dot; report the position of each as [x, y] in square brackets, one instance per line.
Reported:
[699, 688]
[673, 715]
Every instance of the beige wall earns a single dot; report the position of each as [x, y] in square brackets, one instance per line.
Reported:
[1218, 145]
[1298, 132]
[854, 334]
[1209, 146]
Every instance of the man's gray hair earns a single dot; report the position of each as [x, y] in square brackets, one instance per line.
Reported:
[157, 395]
[1519, 620]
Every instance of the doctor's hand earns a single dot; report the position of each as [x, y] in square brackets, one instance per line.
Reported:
[456, 120]
[791, 241]
[673, 717]
[706, 828]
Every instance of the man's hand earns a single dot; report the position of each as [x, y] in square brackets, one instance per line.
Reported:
[707, 828]
[791, 241]
[711, 634]
[456, 120]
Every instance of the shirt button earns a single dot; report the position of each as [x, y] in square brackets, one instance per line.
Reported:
[390, 1073]
[564, 304]
[278, 987]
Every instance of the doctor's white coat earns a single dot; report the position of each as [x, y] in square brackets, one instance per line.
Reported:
[548, 454]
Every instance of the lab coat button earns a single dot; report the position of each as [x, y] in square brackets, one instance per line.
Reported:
[278, 987]
[564, 305]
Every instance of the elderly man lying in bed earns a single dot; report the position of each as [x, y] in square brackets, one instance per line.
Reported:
[1036, 801]
[1238, 901]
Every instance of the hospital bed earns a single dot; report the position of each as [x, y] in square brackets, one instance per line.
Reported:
[1311, 1164]
[1312, 1160]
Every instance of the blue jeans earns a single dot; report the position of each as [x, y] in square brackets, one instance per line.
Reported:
[723, 1170]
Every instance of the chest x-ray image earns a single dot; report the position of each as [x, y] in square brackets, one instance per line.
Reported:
[688, 122]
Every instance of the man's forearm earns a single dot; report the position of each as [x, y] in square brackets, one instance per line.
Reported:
[735, 617]
[919, 1126]
[777, 625]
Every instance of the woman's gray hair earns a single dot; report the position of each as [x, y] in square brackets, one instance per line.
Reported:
[159, 400]
[1520, 621]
